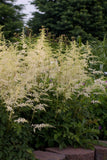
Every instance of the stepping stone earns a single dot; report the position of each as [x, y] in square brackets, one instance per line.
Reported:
[74, 153]
[100, 153]
[44, 155]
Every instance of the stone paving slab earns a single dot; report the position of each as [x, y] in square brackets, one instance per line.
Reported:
[74, 153]
[100, 153]
[44, 155]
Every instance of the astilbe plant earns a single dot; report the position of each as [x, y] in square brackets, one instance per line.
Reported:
[77, 87]
[74, 73]
[21, 73]
[30, 73]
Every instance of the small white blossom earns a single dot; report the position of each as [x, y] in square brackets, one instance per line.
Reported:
[40, 126]
[23, 51]
[40, 107]
[95, 101]
[9, 109]
[86, 94]
[21, 120]
[24, 46]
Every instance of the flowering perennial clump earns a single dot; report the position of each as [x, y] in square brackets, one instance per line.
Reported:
[28, 72]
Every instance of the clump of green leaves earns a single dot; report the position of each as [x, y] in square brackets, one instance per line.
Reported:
[99, 48]
[15, 139]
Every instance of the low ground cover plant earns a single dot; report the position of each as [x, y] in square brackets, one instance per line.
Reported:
[48, 96]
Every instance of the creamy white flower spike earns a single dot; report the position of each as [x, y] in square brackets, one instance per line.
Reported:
[21, 120]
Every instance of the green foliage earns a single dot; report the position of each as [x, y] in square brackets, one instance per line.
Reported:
[10, 18]
[75, 123]
[72, 18]
[15, 139]
[99, 49]
[100, 113]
